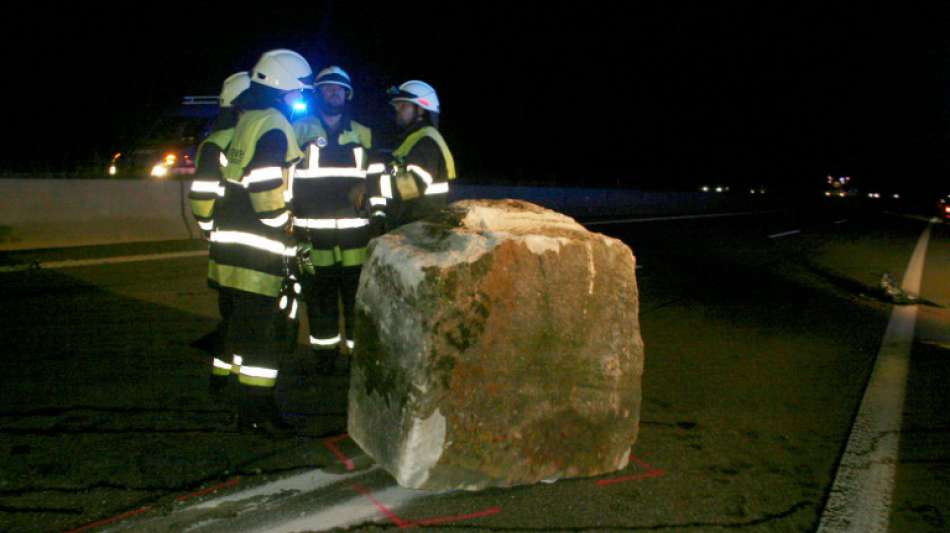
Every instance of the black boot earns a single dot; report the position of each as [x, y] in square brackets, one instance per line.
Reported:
[343, 364]
[326, 361]
[258, 413]
[219, 386]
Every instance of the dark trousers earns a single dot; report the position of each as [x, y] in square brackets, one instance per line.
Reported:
[323, 293]
[254, 330]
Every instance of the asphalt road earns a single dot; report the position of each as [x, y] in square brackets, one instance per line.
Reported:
[761, 332]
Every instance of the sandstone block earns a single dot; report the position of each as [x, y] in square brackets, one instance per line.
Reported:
[497, 343]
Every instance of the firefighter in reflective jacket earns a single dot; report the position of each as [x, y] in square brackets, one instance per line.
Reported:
[329, 218]
[415, 182]
[252, 247]
[205, 189]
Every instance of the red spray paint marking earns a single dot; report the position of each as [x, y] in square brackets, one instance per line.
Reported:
[406, 524]
[107, 521]
[649, 471]
[393, 517]
[229, 483]
[331, 445]
[117, 518]
[457, 518]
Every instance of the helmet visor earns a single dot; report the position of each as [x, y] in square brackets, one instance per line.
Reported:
[396, 92]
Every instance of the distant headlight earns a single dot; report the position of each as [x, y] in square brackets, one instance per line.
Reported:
[159, 171]
[112, 170]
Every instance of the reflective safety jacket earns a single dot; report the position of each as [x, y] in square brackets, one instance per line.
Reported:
[250, 244]
[207, 186]
[416, 181]
[328, 189]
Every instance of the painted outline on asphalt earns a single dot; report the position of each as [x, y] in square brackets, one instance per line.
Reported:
[650, 471]
[862, 491]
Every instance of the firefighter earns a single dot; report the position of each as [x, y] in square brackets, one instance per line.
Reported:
[251, 243]
[415, 182]
[329, 218]
[205, 189]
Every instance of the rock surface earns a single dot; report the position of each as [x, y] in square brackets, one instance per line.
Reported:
[498, 343]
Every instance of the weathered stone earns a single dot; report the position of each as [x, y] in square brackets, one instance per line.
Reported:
[498, 343]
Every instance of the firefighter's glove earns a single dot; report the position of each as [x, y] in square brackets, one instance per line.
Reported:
[377, 225]
[304, 261]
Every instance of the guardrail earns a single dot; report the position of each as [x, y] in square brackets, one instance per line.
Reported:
[51, 213]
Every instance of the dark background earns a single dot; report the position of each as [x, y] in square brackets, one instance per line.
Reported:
[661, 95]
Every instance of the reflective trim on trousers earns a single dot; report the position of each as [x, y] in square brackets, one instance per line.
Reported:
[293, 306]
[258, 376]
[325, 343]
[219, 367]
[236, 361]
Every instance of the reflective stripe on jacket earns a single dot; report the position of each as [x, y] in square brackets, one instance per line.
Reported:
[328, 188]
[250, 245]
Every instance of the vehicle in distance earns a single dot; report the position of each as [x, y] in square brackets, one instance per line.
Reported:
[168, 149]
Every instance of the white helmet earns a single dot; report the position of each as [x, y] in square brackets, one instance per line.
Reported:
[284, 70]
[334, 75]
[233, 86]
[418, 92]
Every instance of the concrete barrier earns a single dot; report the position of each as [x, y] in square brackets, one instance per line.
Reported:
[46, 213]
[50, 213]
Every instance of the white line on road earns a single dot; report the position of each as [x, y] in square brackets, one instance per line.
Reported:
[680, 217]
[784, 234]
[352, 511]
[860, 499]
[842, 221]
[306, 482]
[71, 263]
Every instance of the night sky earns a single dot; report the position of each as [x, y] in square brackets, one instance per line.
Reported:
[660, 95]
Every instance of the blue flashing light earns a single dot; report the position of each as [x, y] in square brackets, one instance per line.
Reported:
[300, 106]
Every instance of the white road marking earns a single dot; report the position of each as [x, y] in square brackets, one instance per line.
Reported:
[306, 482]
[784, 234]
[71, 263]
[842, 221]
[860, 499]
[355, 510]
[680, 217]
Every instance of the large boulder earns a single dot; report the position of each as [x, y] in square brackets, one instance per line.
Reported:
[497, 343]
